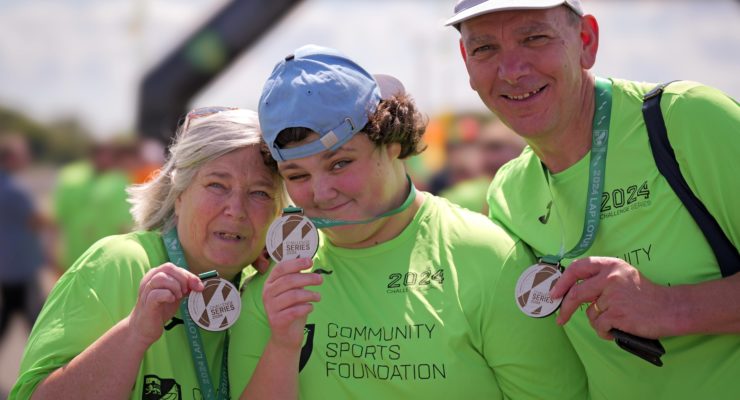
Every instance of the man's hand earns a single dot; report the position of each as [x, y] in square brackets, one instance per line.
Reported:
[619, 295]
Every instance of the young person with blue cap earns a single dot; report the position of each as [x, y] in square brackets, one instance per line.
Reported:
[408, 296]
[591, 194]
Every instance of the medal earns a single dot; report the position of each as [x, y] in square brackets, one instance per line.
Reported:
[533, 290]
[292, 235]
[217, 307]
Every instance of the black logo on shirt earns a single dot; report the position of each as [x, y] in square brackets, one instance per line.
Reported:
[544, 218]
[173, 323]
[307, 348]
[156, 388]
[322, 271]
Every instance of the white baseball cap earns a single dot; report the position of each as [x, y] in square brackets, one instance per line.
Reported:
[466, 9]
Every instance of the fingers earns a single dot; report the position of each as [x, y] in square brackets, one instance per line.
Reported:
[599, 320]
[284, 295]
[578, 270]
[177, 281]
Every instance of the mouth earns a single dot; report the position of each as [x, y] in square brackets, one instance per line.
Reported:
[523, 96]
[229, 236]
[332, 208]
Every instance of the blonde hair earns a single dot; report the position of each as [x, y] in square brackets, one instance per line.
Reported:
[205, 139]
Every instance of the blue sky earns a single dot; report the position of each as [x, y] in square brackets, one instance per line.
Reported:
[85, 57]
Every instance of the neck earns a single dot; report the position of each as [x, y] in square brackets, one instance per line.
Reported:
[571, 141]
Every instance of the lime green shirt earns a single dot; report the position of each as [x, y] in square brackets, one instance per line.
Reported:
[99, 290]
[644, 223]
[470, 194]
[89, 206]
[429, 314]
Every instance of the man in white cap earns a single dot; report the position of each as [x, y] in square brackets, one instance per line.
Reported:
[587, 194]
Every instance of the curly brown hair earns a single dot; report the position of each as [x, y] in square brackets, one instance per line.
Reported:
[396, 120]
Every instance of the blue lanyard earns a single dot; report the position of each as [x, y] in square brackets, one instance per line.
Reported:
[177, 257]
[596, 172]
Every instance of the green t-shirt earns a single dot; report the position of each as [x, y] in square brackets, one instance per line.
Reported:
[99, 290]
[429, 314]
[644, 223]
[470, 194]
[89, 206]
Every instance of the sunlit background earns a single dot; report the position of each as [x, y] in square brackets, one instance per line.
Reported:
[71, 70]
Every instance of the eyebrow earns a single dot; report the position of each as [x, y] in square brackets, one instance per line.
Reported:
[534, 27]
[218, 174]
[328, 154]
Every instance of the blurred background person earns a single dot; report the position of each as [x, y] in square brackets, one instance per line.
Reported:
[21, 250]
[476, 147]
[90, 199]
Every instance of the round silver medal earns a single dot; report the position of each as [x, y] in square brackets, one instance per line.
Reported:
[292, 236]
[533, 290]
[217, 307]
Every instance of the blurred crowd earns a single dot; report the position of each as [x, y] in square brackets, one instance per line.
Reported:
[47, 223]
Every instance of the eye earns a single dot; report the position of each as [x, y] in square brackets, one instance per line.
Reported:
[295, 177]
[261, 194]
[536, 39]
[340, 164]
[216, 186]
[481, 49]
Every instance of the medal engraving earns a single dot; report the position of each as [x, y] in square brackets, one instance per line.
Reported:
[292, 236]
[532, 293]
[217, 307]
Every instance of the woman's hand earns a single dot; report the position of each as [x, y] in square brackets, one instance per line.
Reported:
[160, 293]
[288, 303]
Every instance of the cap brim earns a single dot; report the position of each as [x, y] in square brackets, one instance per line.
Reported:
[503, 5]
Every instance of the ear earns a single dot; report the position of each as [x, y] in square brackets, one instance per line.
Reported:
[262, 263]
[393, 150]
[589, 41]
[462, 52]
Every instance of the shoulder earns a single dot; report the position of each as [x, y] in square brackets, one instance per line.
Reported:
[123, 256]
[468, 233]
[512, 177]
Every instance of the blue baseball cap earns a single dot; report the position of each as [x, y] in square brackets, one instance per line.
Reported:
[320, 89]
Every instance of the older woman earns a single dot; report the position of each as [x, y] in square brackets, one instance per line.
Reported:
[111, 328]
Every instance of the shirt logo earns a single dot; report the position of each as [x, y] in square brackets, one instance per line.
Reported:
[156, 388]
[544, 218]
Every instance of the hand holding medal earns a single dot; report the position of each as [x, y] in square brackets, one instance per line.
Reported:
[292, 241]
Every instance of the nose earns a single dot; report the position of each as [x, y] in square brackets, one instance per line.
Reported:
[512, 66]
[323, 189]
[236, 206]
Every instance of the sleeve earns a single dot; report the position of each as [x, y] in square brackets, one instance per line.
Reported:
[703, 126]
[249, 336]
[532, 358]
[72, 319]
[85, 303]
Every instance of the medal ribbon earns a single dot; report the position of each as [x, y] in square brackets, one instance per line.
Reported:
[596, 172]
[328, 222]
[177, 257]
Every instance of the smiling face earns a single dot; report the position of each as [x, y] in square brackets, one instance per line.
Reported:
[223, 215]
[356, 182]
[528, 66]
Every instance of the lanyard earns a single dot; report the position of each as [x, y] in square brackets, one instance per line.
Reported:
[328, 222]
[177, 257]
[596, 172]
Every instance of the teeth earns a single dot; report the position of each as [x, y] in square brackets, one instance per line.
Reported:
[524, 96]
[229, 236]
